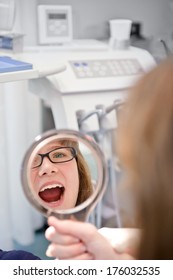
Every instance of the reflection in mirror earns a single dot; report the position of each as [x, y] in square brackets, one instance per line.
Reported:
[64, 172]
[60, 175]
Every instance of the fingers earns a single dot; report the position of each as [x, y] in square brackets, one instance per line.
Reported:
[66, 240]
[66, 252]
[81, 231]
[53, 236]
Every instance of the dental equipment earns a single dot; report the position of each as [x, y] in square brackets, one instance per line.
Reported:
[103, 137]
[106, 142]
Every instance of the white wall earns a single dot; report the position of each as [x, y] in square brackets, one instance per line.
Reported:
[90, 18]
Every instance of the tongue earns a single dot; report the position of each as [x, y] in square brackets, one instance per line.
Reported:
[50, 195]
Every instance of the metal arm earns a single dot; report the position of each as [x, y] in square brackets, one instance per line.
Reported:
[82, 115]
[103, 111]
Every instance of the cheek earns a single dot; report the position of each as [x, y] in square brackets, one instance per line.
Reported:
[33, 176]
[72, 175]
[34, 179]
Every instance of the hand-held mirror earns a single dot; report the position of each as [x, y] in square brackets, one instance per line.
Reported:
[64, 174]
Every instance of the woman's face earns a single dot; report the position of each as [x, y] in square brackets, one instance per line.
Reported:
[56, 184]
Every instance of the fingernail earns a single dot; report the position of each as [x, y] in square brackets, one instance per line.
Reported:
[48, 252]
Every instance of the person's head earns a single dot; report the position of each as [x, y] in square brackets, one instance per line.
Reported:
[60, 175]
[145, 145]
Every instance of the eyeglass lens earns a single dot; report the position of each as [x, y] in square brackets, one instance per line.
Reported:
[58, 155]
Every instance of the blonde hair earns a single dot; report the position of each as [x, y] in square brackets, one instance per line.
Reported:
[145, 144]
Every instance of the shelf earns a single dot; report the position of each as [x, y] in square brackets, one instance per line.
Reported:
[30, 74]
[18, 75]
[38, 71]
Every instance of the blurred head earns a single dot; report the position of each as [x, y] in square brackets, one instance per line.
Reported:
[60, 176]
[145, 145]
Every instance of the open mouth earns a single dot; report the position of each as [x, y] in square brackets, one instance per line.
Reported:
[51, 193]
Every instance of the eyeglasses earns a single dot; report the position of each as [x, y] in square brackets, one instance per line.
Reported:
[58, 155]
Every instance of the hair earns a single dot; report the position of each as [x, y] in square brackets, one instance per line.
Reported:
[85, 181]
[145, 145]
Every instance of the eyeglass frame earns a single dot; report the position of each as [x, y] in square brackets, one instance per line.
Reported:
[74, 155]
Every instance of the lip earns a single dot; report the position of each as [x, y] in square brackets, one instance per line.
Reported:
[53, 204]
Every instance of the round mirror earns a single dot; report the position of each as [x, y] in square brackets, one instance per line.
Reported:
[64, 174]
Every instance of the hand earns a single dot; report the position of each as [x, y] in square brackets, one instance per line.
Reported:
[77, 240]
[63, 244]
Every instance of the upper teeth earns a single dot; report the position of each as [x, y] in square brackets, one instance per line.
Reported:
[51, 187]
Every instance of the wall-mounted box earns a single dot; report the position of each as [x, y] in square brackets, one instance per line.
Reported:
[54, 24]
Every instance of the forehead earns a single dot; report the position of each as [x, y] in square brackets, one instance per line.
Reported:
[51, 146]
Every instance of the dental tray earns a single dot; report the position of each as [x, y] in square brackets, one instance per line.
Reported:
[8, 64]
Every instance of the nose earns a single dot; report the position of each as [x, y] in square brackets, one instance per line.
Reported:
[47, 168]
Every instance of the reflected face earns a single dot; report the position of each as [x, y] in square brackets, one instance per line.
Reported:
[54, 176]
